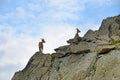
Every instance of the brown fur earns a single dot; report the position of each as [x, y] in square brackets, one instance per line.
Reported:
[76, 37]
[41, 45]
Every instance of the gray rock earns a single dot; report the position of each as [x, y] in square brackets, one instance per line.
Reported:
[38, 66]
[107, 67]
[109, 29]
[72, 41]
[90, 36]
[95, 57]
[117, 20]
[106, 49]
[61, 49]
[82, 47]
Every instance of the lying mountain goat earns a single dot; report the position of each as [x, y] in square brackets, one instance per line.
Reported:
[41, 45]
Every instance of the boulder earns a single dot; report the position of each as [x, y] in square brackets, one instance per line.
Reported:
[90, 36]
[72, 41]
[61, 48]
[82, 47]
[105, 49]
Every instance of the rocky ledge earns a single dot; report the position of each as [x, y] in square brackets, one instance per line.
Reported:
[95, 57]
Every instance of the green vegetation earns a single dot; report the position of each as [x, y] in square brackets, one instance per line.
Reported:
[97, 50]
[58, 77]
[114, 42]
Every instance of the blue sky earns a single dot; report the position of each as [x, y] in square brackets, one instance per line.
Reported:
[24, 22]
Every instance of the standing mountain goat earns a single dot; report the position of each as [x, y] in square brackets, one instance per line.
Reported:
[77, 37]
[41, 45]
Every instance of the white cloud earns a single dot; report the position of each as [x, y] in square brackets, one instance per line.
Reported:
[18, 13]
[21, 13]
[85, 27]
[62, 16]
[15, 50]
[4, 76]
[101, 3]
[3, 17]
[57, 10]
[68, 5]
[35, 7]
[57, 35]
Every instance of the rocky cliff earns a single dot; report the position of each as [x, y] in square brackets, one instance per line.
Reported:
[95, 57]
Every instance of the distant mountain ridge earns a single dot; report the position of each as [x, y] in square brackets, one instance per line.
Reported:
[95, 57]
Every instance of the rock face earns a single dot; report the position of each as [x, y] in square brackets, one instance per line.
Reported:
[95, 57]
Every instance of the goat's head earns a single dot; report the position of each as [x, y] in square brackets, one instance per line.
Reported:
[43, 40]
[78, 30]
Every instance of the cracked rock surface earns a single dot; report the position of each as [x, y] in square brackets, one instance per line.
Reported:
[95, 57]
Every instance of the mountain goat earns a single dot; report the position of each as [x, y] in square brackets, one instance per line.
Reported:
[40, 45]
[77, 37]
